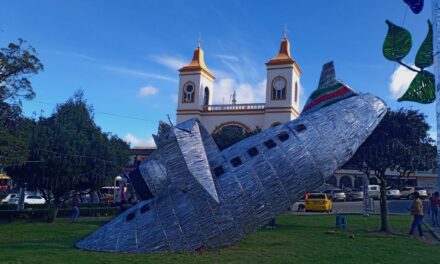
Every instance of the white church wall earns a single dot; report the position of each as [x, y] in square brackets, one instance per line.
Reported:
[213, 120]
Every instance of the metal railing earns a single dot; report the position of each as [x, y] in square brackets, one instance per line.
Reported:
[227, 107]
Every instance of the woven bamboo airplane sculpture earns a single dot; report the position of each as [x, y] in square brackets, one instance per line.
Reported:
[195, 196]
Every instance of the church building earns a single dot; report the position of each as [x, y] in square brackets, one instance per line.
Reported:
[196, 87]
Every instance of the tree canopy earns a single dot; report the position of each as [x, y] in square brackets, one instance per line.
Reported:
[18, 62]
[400, 142]
[69, 151]
[231, 134]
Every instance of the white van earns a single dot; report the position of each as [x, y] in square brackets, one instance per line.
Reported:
[374, 191]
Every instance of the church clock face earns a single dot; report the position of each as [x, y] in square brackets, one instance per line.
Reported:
[279, 83]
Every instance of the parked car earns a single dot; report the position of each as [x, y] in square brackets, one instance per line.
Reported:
[8, 197]
[338, 195]
[406, 192]
[28, 199]
[355, 194]
[423, 193]
[393, 193]
[318, 202]
[374, 191]
[108, 193]
[328, 192]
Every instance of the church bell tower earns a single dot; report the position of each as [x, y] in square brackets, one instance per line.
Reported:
[196, 84]
[282, 88]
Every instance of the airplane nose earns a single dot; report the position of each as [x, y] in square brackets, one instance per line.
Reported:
[347, 124]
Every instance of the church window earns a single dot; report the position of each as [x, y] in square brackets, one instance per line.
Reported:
[206, 96]
[270, 144]
[253, 152]
[188, 93]
[236, 161]
[279, 88]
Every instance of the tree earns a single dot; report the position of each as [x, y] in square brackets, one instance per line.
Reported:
[71, 152]
[18, 62]
[400, 142]
[229, 135]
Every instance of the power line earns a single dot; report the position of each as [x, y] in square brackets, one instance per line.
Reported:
[104, 113]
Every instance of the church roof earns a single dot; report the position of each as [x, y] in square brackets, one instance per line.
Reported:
[283, 56]
[197, 64]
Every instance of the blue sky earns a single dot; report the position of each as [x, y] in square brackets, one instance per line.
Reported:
[125, 54]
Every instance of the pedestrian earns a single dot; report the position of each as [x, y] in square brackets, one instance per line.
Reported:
[75, 207]
[94, 197]
[123, 196]
[434, 203]
[417, 213]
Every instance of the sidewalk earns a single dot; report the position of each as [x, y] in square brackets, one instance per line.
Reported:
[435, 230]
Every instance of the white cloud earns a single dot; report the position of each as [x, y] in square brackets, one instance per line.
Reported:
[220, 74]
[148, 90]
[245, 92]
[226, 57]
[173, 63]
[433, 133]
[242, 68]
[301, 97]
[174, 97]
[138, 142]
[400, 80]
[138, 73]
[75, 54]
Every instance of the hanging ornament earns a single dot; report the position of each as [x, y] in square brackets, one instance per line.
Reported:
[415, 5]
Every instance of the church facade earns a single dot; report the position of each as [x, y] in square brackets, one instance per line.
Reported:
[196, 87]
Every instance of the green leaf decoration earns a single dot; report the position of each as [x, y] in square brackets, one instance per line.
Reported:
[397, 43]
[421, 89]
[424, 57]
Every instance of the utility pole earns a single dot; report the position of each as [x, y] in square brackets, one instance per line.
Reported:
[435, 6]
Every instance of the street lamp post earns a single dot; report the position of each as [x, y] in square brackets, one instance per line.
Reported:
[435, 6]
[365, 182]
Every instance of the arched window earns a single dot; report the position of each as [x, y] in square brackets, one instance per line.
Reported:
[345, 182]
[206, 97]
[358, 182]
[279, 85]
[296, 92]
[188, 93]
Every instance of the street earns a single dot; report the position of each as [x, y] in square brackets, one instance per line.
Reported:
[355, 207]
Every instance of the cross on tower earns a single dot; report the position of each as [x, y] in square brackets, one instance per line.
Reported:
[199, 42]
[285, 31]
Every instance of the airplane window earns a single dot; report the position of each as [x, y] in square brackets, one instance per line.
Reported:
[270, 144]
[253, 152]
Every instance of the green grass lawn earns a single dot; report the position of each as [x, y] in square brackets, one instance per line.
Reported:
[297, 239]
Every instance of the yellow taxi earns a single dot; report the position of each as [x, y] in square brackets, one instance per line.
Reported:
[318, 202]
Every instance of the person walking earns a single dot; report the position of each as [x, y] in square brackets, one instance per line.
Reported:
[75, 207]
[417, 213]
[434, 203]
